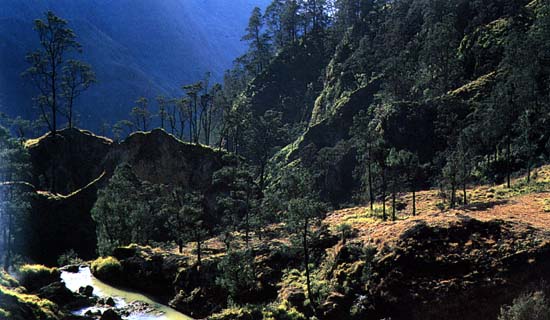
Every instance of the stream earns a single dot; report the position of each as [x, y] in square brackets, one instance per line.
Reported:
[122, 297]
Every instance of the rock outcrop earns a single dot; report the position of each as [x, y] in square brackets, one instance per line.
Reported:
[69, 169]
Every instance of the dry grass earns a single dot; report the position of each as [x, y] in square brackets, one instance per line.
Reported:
[528, 205]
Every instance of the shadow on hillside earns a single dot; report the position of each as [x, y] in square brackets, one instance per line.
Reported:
[481, 206]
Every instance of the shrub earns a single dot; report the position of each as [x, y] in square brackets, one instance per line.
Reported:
[283, 312]
[237, 314]
[7, 281]
[532, 306]
[70, 257]
[36, 276]
[107, 269]
[17, 305]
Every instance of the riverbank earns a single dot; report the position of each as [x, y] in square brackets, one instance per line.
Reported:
[132, 305]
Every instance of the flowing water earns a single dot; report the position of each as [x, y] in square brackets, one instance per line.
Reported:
[122, 297]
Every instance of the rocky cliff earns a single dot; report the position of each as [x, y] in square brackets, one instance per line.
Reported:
[71, 167]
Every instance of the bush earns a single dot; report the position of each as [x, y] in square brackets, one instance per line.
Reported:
[282, 312]
[7, 281]
[532, 306]
[237, 314]
[108, 269]
[70, 257]
[36, 276]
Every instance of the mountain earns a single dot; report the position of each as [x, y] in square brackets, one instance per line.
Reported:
[137, 48]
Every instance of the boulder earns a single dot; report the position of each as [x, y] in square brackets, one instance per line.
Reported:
[110, 314]
[87, 291]
[110, 302]
[57, 292]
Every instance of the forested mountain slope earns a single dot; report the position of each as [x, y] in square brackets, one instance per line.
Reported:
[433, 79]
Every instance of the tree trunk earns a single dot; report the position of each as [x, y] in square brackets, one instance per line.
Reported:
[384, 216]
[465, 194]
[393, 205]
[508, 163]
[199, 251]
[306, 259]
[54, 98]
[529, 170]
[246, 229]
[453, 195]
[371, 191]
[414, 201]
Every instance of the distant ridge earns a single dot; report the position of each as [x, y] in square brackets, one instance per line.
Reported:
[136, 47]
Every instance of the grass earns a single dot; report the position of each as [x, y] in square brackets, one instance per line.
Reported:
[106, 268]
[13, 301]
[41, 308]
[7, 281]
[35, 276]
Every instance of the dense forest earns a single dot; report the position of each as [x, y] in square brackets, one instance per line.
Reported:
[224, 201]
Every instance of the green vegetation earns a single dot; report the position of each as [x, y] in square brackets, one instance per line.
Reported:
[58, 79]
[107, 268]
[20, 306]
[36, 276]
[533, 306]
[14, 199]
[335, 103]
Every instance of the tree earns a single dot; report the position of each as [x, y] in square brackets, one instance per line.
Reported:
[236, 202]
[396, 166]
[451, 174]
[122, 129]
[265, 134]
[14, 195]
[258, 42]
[194, 224]
[237, 275]
[303, 210]
[363, 139]
[440, 69]
[289, 21]
[273, 15]
[141, 114]
[113, 209]
[210, 108]
[47, 63]
[316, 15]
[192, 91]
[127, 211]
[76, 78]
[163, 114]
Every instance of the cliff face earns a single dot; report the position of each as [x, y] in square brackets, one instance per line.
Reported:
[67, 162]
[158, 157]
[75, 164]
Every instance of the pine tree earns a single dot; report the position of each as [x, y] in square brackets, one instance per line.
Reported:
[57, 42]
[303, 210]
[76, 78]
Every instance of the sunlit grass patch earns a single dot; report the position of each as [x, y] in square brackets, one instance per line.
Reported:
[6, 280]
[34, 276]
[106, 268]
[546, 205]
[10, 301]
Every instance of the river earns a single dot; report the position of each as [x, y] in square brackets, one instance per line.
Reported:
[122, 298]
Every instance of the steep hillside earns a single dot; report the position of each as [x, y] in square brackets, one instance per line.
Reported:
[428, 266]
[76, 164]
[142, 48]
[370, 74]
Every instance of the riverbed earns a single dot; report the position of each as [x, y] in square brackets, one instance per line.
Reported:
[122, 297]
